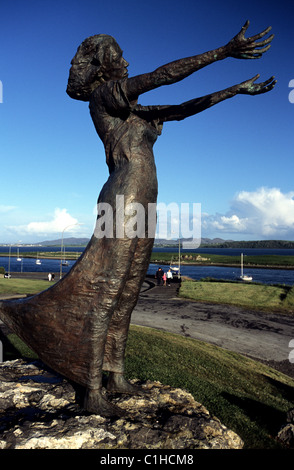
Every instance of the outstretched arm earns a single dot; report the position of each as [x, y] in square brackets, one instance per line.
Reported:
[195, 106]
[239, 47]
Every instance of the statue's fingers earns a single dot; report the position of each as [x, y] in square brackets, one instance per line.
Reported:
[250, 55]
[243, 30]
[260, 35]
[262, 50]
[262, 47]
[254, 56]
[249, 84]
[271, 85]
[255, 77]
[266, 86]
[265, 42]
[245, 26]
[269, 81]
[254, 44]
[256, 53]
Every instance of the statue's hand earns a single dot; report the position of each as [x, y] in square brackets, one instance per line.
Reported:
[248, 48]
[250, 88]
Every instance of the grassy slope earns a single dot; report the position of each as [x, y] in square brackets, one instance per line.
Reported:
[248, 295]
[22, 286]
[245, 395]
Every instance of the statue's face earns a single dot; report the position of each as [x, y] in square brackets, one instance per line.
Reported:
[97, 60]
[115, 66]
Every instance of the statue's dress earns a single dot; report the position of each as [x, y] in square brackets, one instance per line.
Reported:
[79, 326]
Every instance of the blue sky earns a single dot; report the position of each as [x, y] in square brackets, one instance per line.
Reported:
[235, 159]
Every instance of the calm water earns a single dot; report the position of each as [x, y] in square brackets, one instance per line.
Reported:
[266, 276]
[29, 264]
[232, 251]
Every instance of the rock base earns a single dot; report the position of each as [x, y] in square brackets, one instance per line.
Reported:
[286, 433]
[38, 411]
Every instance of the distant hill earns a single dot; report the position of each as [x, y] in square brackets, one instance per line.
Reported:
[205, 243]
[270, 244]
[220, 243]
[72, 241]
[214, 241]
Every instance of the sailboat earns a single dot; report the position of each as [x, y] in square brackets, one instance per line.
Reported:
[64, 261]
[177, 269]
[243, 276]
[18, 257]
[38, 261]
[174, 268]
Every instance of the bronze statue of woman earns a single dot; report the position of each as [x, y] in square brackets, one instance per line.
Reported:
[79, 326]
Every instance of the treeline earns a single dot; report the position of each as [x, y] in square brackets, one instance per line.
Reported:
[275, 244]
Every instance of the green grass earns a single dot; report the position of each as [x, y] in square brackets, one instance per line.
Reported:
[22, 286]
[14, 348]
[263, 260]
[247, 396]
[257, 296]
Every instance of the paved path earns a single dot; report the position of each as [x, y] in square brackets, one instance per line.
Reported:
[260, 335]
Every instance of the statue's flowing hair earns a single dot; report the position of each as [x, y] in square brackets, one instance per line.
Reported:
[88, 66]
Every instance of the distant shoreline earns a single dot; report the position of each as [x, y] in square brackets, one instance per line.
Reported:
[72, 242]
[227, 265]
[163, 262]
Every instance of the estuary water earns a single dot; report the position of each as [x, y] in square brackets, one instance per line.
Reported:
[264, 275]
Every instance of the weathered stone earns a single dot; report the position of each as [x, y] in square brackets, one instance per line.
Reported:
[38, 410]
[290, 416]
[286, 433]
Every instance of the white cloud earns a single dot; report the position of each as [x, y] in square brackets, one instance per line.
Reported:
[264, 213]
[4, 209]
[231, 224]
[59, 222]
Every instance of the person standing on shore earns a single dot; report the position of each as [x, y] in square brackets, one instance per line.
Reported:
[159, 275]
[169, 276]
